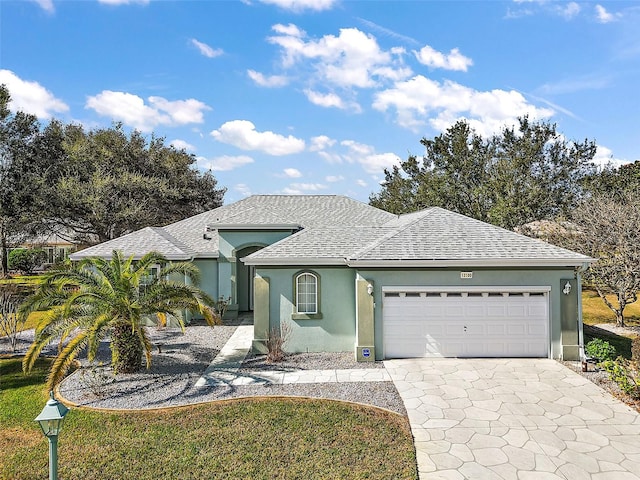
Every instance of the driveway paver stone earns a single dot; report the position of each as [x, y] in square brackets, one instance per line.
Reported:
[522, 419]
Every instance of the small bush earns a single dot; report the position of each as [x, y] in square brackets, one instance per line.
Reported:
[26, 260]
[625, 374]
[11, 321]
[600, 350]
[275, 342]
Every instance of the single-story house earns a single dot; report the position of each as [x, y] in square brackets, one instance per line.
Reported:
[56, 247]
[347, 276]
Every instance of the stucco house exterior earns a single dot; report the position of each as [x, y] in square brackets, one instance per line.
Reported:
[346, 276]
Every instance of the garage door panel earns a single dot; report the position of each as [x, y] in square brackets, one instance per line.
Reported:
[497, 311]
[466, 326]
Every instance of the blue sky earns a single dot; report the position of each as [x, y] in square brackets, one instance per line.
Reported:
[319, 96]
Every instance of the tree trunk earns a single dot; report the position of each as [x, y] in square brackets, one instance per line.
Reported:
[620, 317]
[126, 346]
[4, 258]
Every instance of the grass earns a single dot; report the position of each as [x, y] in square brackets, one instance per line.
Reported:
[242, 439]
[595, 311]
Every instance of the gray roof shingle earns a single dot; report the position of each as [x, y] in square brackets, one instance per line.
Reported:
[186, 238]
[430, 237]
[138, 244]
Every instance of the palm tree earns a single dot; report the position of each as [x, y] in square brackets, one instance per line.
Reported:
[95, 299]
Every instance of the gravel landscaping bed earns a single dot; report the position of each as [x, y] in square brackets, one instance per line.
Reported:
[308, 361]
[179, 360]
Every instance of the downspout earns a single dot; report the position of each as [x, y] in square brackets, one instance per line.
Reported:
[583, 355]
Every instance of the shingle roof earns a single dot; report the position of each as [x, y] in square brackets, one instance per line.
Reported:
[302, 210]
[138, 244]
[431, 237]
[186, 238]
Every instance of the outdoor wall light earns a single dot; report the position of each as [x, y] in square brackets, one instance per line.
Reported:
[50, 420]
[567, 289]
[370, 289]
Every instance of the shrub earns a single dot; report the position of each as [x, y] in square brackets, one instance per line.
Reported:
[275, 342]
[600, 349]
[11, 321]
[625, 374]
[26, 260]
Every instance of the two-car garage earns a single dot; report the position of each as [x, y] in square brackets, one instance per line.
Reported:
[465, 322]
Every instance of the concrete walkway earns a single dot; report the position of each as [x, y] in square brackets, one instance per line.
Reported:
[225, 368]
[515, 419]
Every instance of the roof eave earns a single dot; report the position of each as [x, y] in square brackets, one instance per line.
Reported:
[253, 226]
[466, 263]
[173, 257]
[289, 261]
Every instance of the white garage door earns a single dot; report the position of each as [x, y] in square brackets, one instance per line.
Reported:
[465, 324]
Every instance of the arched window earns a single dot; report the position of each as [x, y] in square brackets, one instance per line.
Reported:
[307, 293]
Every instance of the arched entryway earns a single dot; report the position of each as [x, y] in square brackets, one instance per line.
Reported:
[244, 278]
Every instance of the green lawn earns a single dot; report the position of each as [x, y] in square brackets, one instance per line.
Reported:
[594, 311]
[242, 439]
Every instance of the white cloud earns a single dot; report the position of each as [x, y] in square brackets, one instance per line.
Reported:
[182, 145]
[604, 157]
[243, 134]
[324, 100]
[376, 163]
[569, 10]
[330, 157]
[270, 81]
[132, 110]
[225, 163]
[389, 33]
[453, 61]
[292, 173]
[206, 50]
[301, 5]
[46, 5]
[289, 30]
[367, 157]
[334, 178]
[361, 182]
[421, 100]
[357, 148]
[31, 97]
[603, 16]
[352, 59]
[123, 2]
[321, 142]
[577, 84]
[243, 189]
[301, 188]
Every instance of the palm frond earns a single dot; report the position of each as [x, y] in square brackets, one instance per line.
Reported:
[64, 360]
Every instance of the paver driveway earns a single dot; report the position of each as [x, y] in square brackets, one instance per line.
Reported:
[515, 419]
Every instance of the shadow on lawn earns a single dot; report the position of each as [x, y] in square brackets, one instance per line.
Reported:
[621, 343]
[13, 376]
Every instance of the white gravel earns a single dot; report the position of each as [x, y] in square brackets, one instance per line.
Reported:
[181, 359]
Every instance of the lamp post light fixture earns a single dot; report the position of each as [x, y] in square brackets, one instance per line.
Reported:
[50, 420]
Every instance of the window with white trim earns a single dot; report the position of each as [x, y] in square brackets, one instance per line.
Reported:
[307, 293]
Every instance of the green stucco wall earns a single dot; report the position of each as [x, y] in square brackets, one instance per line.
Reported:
[336, 330]
[482, 277]
[208, 276]
[365, 321]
